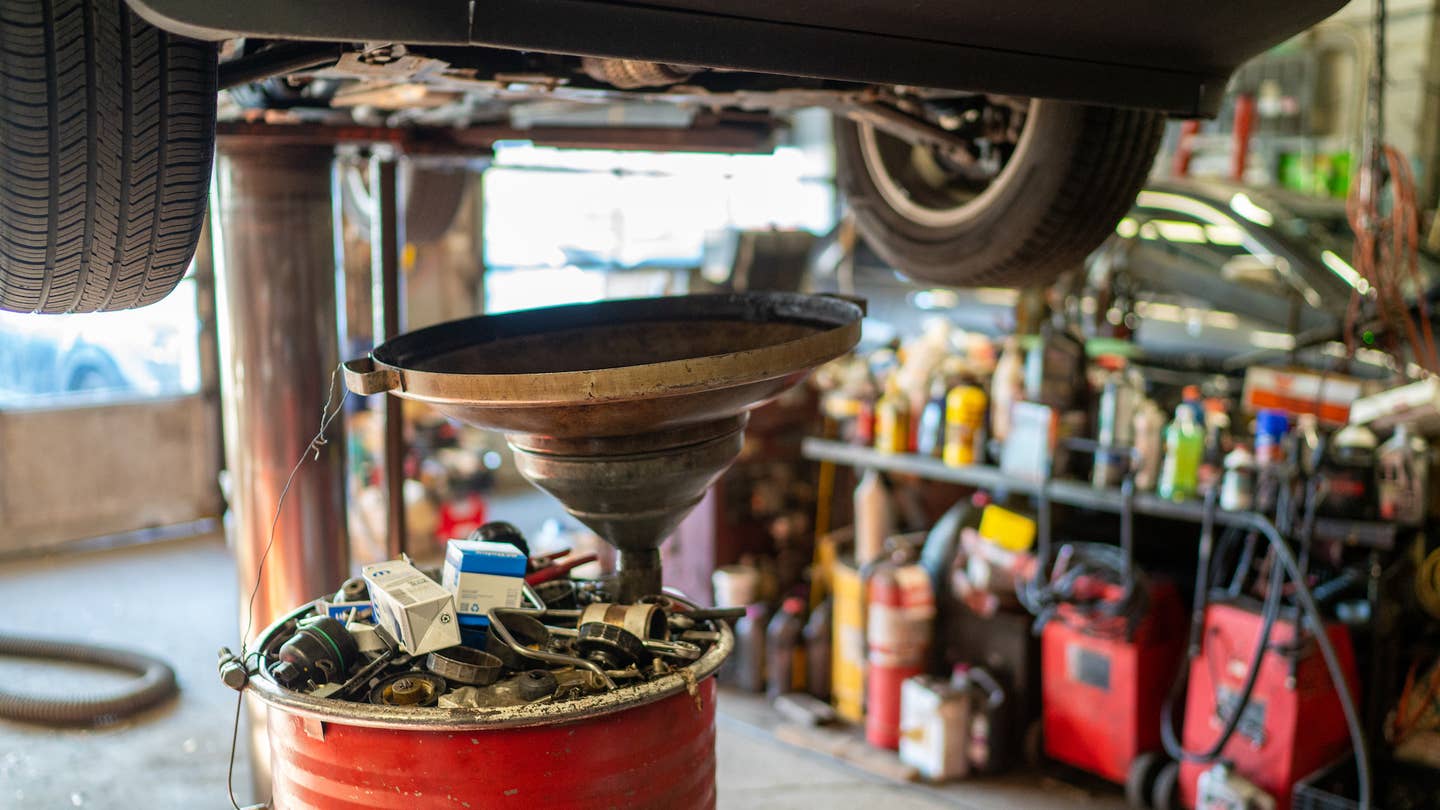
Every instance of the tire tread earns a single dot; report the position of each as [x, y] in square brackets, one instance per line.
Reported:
[106, 141]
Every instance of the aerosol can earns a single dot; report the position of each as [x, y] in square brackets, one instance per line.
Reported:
[1220, 788]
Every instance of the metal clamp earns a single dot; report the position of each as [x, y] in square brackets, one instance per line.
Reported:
[363, 378]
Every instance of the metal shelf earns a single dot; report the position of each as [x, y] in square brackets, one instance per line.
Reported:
[1364, 534]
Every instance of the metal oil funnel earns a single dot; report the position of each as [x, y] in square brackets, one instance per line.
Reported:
[624, 411]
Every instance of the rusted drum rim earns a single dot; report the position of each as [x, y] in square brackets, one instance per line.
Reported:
[410, 718]
[387, 369]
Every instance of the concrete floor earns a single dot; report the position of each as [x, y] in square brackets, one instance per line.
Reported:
[178, 599]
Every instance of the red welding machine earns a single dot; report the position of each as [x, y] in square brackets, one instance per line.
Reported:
[1103, 685]
[1272, 746]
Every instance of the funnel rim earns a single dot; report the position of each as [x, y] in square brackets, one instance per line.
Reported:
[836, 323]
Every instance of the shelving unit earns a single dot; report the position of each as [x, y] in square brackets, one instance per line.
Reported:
[1362, 534]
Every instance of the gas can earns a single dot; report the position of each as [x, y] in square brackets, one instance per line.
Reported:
[934, 728]
[901, 616]
[847, 663]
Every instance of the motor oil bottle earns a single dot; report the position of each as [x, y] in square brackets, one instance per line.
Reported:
[1237, 487]
[818, 634]
[1184, 442]
[874, 518]
[1403, 477]
[1006, 385]
[930, 433]
[964, 425]
[1115, 423]
[782, 646]
[892, 420]
[749, 671]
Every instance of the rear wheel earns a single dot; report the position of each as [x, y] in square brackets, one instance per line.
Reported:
[107, 131]
[1041, 187]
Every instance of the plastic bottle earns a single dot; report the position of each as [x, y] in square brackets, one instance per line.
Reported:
[1237, 488]
[964, 423]
[819, 632]
[1190, 397]
[1149, 424]
[750, 648]
[1184, 442]
[930, 433]
[1115, 423]
[1005, 386]
[874, 520]
[782, 644]
[892, 420]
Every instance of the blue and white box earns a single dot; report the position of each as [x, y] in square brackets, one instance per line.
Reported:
[483, 575]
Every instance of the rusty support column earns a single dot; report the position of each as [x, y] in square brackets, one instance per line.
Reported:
[279, 345]
[387, 239]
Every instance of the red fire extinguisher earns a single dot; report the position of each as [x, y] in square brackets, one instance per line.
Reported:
[898, 630]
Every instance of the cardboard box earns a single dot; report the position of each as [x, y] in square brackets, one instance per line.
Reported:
[482, 575]
[412, 607]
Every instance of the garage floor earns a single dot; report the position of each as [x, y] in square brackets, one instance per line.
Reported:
[178, 600]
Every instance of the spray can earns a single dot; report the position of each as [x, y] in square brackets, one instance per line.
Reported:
[898, 630]
[1115, 424]
[1403, 477]
[1270, 428]
[930, 433]
[1149, 425]
[1184, 443]
[1237, 488]
[964, 424]
[892, 420]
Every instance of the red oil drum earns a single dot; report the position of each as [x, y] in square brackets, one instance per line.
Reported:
[646, 746]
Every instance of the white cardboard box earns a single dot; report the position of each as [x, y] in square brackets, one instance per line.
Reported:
[483, 575]
[412, 607]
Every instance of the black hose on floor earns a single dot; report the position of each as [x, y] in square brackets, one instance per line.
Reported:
[155, 684]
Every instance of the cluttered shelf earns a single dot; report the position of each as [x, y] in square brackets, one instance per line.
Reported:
[1364, 534]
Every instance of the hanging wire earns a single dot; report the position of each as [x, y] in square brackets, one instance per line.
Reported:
[1387, 239]
[311, 451]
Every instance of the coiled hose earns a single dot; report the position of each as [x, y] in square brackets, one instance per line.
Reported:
[155, 684]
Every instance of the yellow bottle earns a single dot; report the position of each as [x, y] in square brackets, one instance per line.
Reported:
[964, 418]
[892, 420]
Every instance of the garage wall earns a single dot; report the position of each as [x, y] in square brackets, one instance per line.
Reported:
[80, 472]
[1412, 65]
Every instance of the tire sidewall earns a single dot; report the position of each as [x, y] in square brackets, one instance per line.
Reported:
[1017, 202]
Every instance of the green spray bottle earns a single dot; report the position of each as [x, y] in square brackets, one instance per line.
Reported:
[1184, 445]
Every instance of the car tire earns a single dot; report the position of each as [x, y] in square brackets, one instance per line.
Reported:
[1075, 170]
[107, 133]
